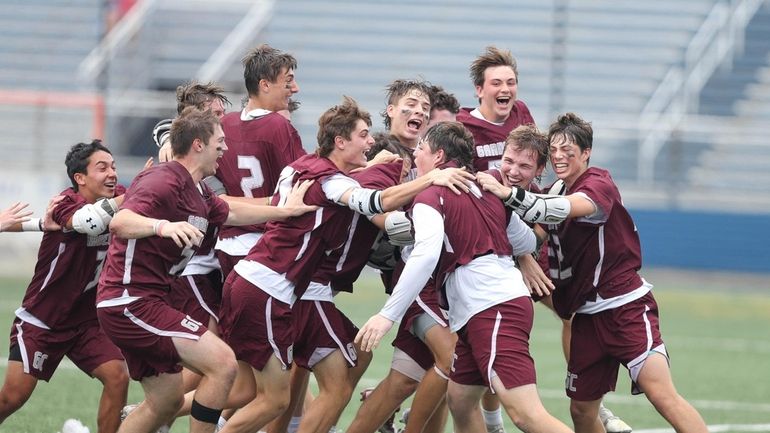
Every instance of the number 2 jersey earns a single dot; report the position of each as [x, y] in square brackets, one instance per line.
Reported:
[260, 144]
[61, 294]
[594, 259]
[145, 267]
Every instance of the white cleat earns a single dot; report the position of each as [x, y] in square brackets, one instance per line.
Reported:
[495, 428]
[127, 409]
[74, 426]
[612, 423]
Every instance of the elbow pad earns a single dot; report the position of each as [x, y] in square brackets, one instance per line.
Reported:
[366, 201]
[215, 184]
[538, 208]
[161, 132]
[91, 219]
[399, 229]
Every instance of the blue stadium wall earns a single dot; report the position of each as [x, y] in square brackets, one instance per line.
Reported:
[734, 242]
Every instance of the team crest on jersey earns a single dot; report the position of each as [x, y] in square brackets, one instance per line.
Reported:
[101, 240]
[491, 149]
[199, 223]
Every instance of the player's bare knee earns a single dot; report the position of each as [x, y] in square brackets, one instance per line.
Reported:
[113, 376]
[10, 402]
[582, 411]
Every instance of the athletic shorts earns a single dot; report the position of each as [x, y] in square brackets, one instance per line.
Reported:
[41, 350]
[602, 341]
[320, 330]
[143, 331]
[413, 347]
[255, 324]
[198, 296]
[495, 342]
[227, 262]
[425, 303]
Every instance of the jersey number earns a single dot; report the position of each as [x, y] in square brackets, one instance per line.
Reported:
[100, 256]
[187, 254]
[256, 179]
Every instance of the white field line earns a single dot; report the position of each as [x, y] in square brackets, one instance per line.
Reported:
[717, 428]
[556, 394]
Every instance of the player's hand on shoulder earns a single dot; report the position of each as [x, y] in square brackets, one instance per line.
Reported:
[49, 225]
[456, 179]
[383, 157]
[489, 183]
[295, 202]
[184, 234]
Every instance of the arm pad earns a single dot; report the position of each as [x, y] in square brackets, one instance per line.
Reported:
[365, 201]
[109, 205]
[215, 184]
[161, 131]
[91, 219]
[399, 229]
[538, 208]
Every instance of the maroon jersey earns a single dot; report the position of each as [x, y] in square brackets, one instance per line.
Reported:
[296, 246]
[542, 254]
[343, 266]
[488, 138]
[595, 255]
[257, 151]
[145, 266]
[478, 227]
[61, 293]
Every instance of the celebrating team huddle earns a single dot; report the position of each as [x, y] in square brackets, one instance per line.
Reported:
[211, 278]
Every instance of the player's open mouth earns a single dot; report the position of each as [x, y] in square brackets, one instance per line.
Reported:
[503, 100]
[414, 124]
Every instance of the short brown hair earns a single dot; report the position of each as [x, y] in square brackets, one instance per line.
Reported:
[455, 140]
[443, 100]
[397, 89]
[265, 62]
[195, 94]
[570, 126]
[339, 121]
[191, 124]
[528, 137]
[492, 57]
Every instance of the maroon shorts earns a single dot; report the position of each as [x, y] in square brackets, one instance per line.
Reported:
[198, 296]
[602, 341]
[143, 331]
[255, 324]
[41, 350]
[413, 346]
[320, 330]
[425, 303]
[227, 262]
[496, 342]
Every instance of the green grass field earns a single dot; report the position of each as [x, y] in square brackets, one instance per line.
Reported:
[719, 341]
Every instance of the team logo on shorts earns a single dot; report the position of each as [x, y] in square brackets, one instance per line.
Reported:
[290, 354]
[352, 352]
[38, 360]
[569, 383]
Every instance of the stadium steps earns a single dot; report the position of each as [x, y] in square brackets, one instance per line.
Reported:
[42, 43]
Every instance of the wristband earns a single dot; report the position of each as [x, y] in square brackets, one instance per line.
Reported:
[158, 226]
[33, 225]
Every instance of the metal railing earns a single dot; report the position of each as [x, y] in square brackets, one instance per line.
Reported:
[717, 40]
